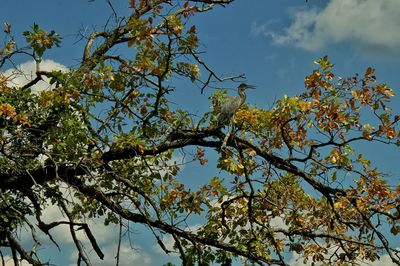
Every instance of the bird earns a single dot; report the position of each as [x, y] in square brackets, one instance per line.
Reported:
[232, 104]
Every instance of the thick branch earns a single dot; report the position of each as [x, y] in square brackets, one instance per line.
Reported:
[187, 138]
[139, 218]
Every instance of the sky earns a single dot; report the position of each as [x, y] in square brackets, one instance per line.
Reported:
[272, 42]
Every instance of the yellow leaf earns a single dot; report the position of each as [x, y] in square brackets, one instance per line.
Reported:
[389, 92]
[7, 110]
[338, 205]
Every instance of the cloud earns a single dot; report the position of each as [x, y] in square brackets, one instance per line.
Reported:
[102, 233]
[128, 256]
[25, 72]
[106, 238]
[169, 243]
[367, 24]
[61, 233]
[10, 262]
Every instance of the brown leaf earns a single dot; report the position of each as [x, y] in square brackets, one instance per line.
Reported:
[186, 4]
[7, 26]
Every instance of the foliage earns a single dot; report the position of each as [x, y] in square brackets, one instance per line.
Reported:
[40, 41]
[291, 180]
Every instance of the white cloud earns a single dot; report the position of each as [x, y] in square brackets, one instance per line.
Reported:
[106, 237]
[278, 223]
[102, 233]
[62, 234]
[128, 256]
[169, 243]
[368, 24]
[25, 73]
[10, 262]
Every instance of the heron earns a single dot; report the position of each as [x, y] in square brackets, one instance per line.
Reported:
[232, 104]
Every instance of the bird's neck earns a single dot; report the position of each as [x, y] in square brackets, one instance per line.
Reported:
[242, 95]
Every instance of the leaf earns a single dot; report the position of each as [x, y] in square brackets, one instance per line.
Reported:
[186, 5]
[391, 133]
[214, 181]
[7, 26]
[192, 29]
[324, 63]
[334, 176]
[395, 230]
[7, 110]
[370, 71]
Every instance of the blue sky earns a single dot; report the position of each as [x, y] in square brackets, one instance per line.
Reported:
[272, 42]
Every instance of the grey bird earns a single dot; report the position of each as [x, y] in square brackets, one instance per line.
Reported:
[232, 104]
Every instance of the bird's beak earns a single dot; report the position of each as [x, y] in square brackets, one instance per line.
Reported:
[250, 87]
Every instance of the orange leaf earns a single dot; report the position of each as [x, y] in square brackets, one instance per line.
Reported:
[143, 110]
[391, 133]
[203, 161]
[369, 71]
[186, 4]
[352, 104]
[192, 29]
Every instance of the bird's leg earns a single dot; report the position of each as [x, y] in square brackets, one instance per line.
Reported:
[232, 131]
[225, 141]
[223, 146]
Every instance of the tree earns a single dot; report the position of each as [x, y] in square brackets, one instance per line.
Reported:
[103, 132]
